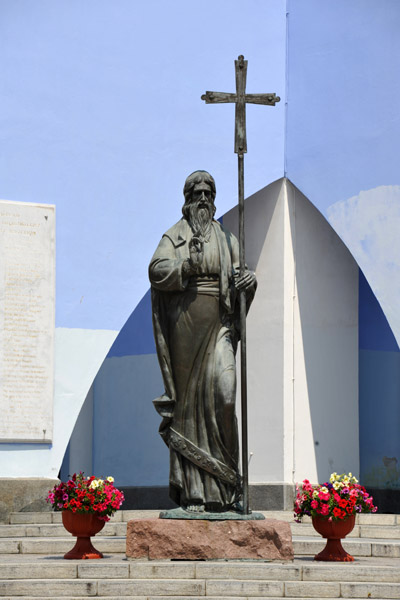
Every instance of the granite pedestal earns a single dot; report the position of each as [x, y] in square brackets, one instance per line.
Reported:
[173, 539]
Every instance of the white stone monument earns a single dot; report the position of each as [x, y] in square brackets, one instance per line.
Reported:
[27, 293]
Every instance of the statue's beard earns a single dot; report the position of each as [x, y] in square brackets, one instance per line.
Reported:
[200, 215]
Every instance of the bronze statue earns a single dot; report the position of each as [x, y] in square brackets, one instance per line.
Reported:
[195, 279]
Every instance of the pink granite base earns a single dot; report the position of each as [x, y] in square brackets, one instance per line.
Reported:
[158, 539]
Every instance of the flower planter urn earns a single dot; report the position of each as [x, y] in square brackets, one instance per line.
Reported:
[83, 526]
[334, 531]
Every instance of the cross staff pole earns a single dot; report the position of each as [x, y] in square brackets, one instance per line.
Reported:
[240, 99]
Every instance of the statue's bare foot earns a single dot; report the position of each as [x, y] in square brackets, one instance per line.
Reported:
[195, 508]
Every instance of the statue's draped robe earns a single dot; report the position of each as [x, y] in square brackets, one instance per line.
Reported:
[195, 336]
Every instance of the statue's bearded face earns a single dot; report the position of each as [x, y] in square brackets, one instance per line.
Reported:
[200, 209]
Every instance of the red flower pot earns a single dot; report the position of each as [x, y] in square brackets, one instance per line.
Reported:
[83, 526]
[334, 531]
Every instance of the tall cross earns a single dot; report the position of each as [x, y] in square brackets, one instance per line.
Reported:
[240, 99]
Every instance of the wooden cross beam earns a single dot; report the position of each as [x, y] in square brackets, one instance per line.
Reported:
[240, 99]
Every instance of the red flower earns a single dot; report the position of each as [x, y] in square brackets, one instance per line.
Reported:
[77, 496]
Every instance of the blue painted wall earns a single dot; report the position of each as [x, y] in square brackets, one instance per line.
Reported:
[125, 424]
[101, 115]
[379, 394]
[126, 442]
[343, 128]
[136, 336]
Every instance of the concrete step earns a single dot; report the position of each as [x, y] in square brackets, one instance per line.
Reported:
[196, 588]
[113, 528]
[355, 547]
[377, 570]
[37, 518]
[54, 530]
[115, 577]
[107, 545]
[126, 515]
[45, 588]
[303, 546]
[364, 531]
[164, 597]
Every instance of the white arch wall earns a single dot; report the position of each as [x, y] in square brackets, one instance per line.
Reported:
[302, 341]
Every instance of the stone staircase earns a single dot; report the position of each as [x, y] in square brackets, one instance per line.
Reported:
[32, 565]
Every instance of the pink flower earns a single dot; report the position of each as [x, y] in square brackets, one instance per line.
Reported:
[314, 503]
[323, 496]
[307, 485]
